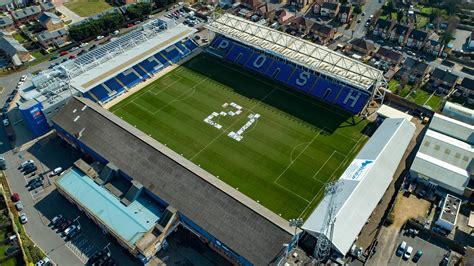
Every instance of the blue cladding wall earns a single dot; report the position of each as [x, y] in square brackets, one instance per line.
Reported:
[35, 119]
[350, 99]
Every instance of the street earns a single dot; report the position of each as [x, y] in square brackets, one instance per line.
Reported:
[370, 7]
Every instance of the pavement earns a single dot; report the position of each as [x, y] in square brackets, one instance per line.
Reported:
[67, 12]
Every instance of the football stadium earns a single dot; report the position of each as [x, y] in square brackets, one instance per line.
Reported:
[229, 140]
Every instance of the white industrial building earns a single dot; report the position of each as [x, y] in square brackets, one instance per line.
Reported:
[445, 157]
[342, 216]
[459, 112]
[449, 213]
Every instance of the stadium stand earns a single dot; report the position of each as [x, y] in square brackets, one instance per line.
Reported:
[100, 93]
[114, 85]
[130, 79]
[182, 48]
[172, 54]
[140, 71]
[151, 65]
[190, 44]
[300, 78]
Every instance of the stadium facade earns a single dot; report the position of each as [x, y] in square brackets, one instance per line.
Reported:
[307, 67]
[106, 72]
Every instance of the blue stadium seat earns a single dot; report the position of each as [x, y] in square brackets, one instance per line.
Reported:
[302, 80]
[173, 54]
[140, 71]
[129, 80]
[222, 45]
[259, 62]
[239, 54]
[89, 96]
[162, 59]
[182, 48]
[151, 66]
[100, 93]
[326, 90]
[190, 44]
[352, 100]
[114, 85]
[279, 71]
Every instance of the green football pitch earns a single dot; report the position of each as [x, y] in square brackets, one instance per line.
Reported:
[271, 143]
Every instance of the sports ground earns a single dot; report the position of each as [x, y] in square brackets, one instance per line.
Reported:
[290, 145]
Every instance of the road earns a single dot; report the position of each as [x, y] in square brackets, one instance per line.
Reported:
[370, 7]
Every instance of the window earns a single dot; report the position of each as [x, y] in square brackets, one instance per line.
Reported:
[447, 151]
[437, 147]
[427, 143]
[457, 155]
[465, 158]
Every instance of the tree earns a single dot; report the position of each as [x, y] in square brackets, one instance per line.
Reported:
[139, 10]
[399, 15]
[357, 10]
[390, 7]
[94, 27]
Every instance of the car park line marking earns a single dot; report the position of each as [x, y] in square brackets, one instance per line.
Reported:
[77, 252]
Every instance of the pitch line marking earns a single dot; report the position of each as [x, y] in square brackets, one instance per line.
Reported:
[292, 192]
[225, 130]
[322, 166]
[291, 163]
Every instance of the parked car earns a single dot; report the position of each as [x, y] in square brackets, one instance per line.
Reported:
[6, 122]
[116, 32]
[19, 206]
[94, 258]
[23, 218]
[100, 37]
[408, 252]
[58, 222]
[23, 77]
[417, 256]
[36, 184]
[56, 171]
[401, 248]
[63, 53]
[26, 163]
[72, 56]
[15, 197]
[70, 229]
[73, 233]
[75, 48]
[30, 170]
[56, 219]
[84, 44]
[64, 225]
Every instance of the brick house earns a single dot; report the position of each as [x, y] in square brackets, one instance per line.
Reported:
[465, 88]
[25, 15]
[414, 69]
[13, 50]
[345, 14]
[47, 7]
[317, 5]
[362, 46]
[442, 81]
[330, 9]
[389, 56]
[6, 24]
[56, 38]
[399, 34]
[50, 21]
[383, 28]
[322, 32]
[417, 39]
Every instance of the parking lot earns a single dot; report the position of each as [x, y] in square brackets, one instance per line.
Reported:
[432, 253]
[44, 202]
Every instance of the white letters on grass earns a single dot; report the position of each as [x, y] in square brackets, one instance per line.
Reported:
[237, 111]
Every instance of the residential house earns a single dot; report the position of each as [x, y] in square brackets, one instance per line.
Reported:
[48, 7]
[362, 46]
[417, 39]
[50, 21]
[56, 38]
[470, 41]
[399, 34]
[466, 88]
[21, 3]
[322, 32]
[6, 5]
[283, 16]
[13, 50]
[383, 28]
[433, 45]
[300, 4]
[345, 14]
[389, 56]
[413, 69]
[317, 5]
[299, 25]
[329, 9]
[442, 81]
[6, 24]
[25, 15]
[251, 3]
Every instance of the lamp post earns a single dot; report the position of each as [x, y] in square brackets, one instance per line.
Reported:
[296, 223]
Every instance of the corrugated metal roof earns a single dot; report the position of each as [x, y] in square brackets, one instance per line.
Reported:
[453, 128]
[369, 174]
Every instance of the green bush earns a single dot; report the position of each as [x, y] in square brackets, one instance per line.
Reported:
[105, 24]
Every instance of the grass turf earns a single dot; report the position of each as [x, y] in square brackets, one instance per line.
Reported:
[85, 8]
[283, 160]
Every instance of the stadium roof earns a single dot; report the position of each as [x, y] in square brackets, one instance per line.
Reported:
[238, 222]
[369, 174]
[295, 49]
[119, 63]
[390, 112]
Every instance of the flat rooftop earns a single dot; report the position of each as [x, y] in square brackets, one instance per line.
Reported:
[129, 222]
[129, 58]
[450, 209]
